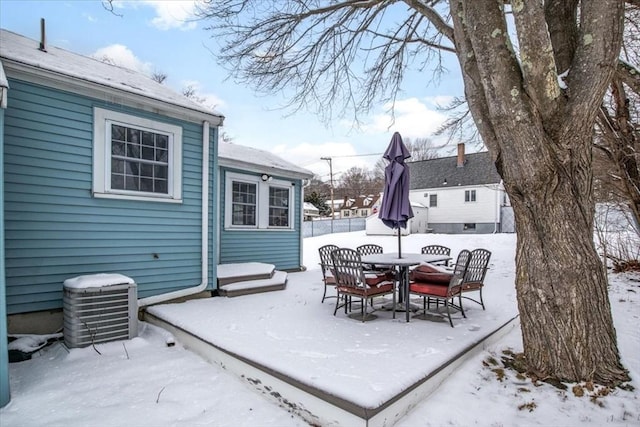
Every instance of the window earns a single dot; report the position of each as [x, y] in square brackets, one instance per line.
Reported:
[136, 158]
[433, 201]
[469, 226]
[244, 203]
[278, 207]
[470, 195]
[346, 213]
[364, 212]
[256, 204]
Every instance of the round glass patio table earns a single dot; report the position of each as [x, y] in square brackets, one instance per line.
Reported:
[403, 263]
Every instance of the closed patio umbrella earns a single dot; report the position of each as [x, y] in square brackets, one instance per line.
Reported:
[395, 210]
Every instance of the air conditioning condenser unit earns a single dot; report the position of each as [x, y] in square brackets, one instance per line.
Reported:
[99, 308]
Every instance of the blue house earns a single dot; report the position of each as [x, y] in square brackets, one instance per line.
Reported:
[261, 200]
[108, 171]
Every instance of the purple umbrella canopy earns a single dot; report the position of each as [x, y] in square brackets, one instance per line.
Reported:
[396, 210]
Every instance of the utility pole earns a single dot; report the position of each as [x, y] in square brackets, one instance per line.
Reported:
[331, 188]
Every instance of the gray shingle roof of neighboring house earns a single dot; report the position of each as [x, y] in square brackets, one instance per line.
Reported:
[478, 170]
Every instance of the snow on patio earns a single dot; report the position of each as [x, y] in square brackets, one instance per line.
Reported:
[145, 382]
[365, 363]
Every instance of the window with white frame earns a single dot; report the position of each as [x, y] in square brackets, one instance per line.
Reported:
[278, 206]
[244, 203]
[136, 158]
[433, 200]
[255, 204]
[470, 195]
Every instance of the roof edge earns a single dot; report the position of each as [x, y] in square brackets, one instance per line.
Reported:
[253, 167]
[32, 74]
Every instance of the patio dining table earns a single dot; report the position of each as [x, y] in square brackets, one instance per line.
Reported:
[403, 263]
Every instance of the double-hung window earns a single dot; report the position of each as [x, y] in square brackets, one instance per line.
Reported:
[470, 195]
[279, 206]
[433, 200]
[136, 158]
[255, 204]
[244, 204]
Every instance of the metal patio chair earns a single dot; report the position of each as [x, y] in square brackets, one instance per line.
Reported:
[437, 250]
[352, 281]
[475, 274]
[445, 292]
[326, 265]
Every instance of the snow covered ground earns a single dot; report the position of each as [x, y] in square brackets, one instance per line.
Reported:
[145, 382]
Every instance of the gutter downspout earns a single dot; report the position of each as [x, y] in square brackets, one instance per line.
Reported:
[204, 230]
[305, 183]
[497, 207]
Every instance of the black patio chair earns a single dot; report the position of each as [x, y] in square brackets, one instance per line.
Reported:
[475, 274]
[429, 288]
[353, 282]
[437, 250]
[326, 264]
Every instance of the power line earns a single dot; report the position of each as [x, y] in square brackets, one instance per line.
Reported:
[359, 155]
[346, 155]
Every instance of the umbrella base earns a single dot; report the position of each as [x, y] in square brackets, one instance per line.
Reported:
[400, 306]
[432, 317]
[358, 316]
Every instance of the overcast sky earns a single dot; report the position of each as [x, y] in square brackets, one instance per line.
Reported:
[159, 36]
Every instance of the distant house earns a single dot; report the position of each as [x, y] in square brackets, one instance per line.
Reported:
[310, 211]
[360, 206]
[334, 206]
[464, 193]
[418, 224]
[108, 171]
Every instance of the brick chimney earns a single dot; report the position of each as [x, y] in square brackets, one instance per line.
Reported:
[461, 155]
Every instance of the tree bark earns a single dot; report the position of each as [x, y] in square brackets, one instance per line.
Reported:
[540, 138]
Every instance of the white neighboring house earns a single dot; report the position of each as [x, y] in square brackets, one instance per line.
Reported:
[418, 224]
[310, 211]
[464, 194]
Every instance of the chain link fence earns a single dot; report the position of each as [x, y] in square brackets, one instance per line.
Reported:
[326, 226]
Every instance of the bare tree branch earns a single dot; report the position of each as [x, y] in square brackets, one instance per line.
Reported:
[629, 75]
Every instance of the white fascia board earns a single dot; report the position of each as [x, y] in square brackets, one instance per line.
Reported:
[106, 93]
[3, 97]
[253, 167]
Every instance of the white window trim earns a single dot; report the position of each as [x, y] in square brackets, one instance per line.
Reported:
[262, 201]
[470, 192]
[102, 156]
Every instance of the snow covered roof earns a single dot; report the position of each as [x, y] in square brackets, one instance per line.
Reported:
[3, 77]
[4, 85]
[22, 58]
[310, 207]
[254, 159]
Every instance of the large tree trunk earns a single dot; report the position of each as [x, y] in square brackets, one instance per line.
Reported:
[567, 327]
[540, 139]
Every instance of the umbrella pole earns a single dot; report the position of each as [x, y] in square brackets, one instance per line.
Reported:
[399, 244]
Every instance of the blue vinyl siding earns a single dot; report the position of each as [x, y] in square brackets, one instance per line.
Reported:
[280, 248]
[55, 229]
